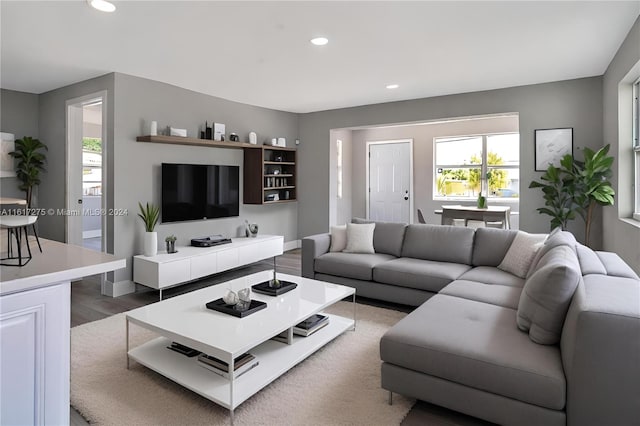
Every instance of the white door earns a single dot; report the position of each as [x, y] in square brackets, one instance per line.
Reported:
[86, 173]
[390, 181]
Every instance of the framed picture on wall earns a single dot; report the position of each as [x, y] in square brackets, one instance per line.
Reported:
[7, 145]
[551, 146]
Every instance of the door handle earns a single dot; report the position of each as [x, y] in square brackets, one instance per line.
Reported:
[406, 195]
[79, 200]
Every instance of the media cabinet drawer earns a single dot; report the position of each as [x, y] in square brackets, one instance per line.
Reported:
[228, 259]
[170, 273]
[260, 250]
[204, 265]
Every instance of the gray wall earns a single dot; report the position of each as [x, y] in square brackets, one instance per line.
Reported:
[572, 103]
[18, 115]
[422, 136]
[137, 176]
[621, 234]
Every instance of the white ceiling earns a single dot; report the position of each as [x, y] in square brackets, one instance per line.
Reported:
[259, 52]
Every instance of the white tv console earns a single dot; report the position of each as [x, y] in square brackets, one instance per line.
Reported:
[191, 263]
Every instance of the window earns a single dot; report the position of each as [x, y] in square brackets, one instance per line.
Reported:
[465, 166]
[636, 147]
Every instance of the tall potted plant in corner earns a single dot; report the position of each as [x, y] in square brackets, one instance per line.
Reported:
[588, 182]
[30, 163]
[149, 215]
[577, 187]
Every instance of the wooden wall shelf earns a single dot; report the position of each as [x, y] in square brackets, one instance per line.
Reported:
[196, 142]
[260, 161]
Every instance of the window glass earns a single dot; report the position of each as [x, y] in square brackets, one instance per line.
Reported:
[464, 166]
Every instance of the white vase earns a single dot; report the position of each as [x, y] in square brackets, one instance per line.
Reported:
[150, 243]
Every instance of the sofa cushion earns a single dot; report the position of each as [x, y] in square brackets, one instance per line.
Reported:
[351, 265]
[478, 345]
[547, 294]
[491, 275]
[590, 263]
[360, 238]
[521, 253]
[439, 243]
[500, 295]
[338, 238]
[615, 266]
[387, 236]
[417, 273]
[556, 238]
[490, 245]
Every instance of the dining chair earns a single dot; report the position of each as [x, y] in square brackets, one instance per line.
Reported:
[421, 217]
[16, 226]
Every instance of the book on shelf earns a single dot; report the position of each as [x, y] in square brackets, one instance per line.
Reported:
[311, 325]
[241, 365]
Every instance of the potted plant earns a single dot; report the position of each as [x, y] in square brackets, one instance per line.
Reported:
[149, 215]
[577, 187]
[171, 243]
[588, 182]
[30, 163]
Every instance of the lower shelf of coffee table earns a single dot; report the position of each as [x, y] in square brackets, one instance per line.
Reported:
[275, 359]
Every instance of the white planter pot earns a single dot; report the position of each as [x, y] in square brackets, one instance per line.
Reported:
[150, 243]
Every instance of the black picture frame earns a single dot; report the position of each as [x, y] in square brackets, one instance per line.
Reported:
[551, 145]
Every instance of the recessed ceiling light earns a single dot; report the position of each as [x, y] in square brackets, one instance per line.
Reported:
[320, 41]
[392, 86]
[102, 5]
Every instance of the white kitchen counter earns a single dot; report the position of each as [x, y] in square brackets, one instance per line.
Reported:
[35, 311]
[57, 262]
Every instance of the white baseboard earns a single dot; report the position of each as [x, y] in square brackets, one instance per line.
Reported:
[292, 245]
[119, 288]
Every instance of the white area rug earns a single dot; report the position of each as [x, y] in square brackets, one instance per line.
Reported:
[339, 384]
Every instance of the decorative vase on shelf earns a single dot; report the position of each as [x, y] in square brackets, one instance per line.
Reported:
[150, 243]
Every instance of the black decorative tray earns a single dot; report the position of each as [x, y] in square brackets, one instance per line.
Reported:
[264, 288]
[220, 306]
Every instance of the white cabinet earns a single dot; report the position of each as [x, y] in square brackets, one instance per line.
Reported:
[191, 263]
[34, 356]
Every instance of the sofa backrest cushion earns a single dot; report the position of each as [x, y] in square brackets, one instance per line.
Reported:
[491, 245]
[556, 238]
[387, 236]
[441, 243]
[590, 263]
[547, 294]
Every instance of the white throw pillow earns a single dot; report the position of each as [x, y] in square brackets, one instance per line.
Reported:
[360, 238]
[521, 253]
[338, 238]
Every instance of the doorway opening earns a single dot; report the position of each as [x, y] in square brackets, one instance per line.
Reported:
[86, 172]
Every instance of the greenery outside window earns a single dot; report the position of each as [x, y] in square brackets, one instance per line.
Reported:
[465, 166]
[636, 148]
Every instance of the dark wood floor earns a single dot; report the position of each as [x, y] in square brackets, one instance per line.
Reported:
[87, 304]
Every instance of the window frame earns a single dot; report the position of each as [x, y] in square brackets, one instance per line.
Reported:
[484, 167]
[635, 146]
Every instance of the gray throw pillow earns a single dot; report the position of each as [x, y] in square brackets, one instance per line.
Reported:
[557, 237]
[547, 294]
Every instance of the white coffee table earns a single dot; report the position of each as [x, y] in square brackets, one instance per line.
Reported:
[186, 320]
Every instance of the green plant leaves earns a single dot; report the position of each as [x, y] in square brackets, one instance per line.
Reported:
[575, 186]
[30, 163]
[149, 214]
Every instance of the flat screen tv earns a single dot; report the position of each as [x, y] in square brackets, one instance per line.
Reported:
[199, 191]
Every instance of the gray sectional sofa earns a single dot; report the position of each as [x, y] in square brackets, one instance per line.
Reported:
[474, 342]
